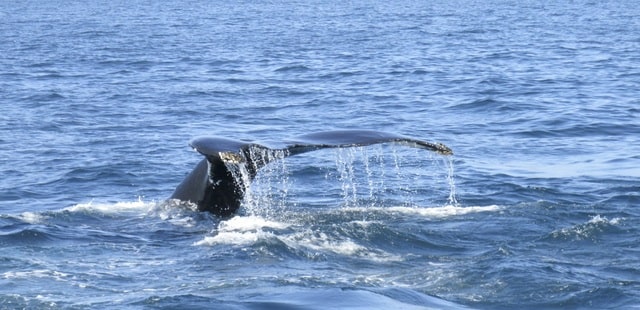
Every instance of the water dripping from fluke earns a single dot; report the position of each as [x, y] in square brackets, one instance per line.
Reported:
[363, 177]
[452, 182]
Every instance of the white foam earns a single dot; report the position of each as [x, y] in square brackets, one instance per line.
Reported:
[32, 217]
[112, 208]
[247, 223]
[603, 220]
[444, 211]
[39, 273]
[242, 230]
[587, 229]
[235, 238]
[364, 224]
[249, 230]
[323, 243]
[432, 212]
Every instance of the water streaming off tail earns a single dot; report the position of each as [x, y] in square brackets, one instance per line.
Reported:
[374, 176]
[268, 192]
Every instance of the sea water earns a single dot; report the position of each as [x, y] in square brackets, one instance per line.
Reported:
[537, 208]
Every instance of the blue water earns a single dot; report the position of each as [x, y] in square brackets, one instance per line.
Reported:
[538, 208]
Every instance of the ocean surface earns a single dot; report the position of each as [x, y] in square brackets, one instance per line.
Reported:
[538, 208]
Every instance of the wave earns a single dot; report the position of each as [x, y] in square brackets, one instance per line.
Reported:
[360, 233]
[37, 273]
[294, 297]
[430, 212]
[122, 208]
[589, 230]
[125, 209]
[343, 232]
[296, 68]
[24, 235]
[242, 231]
[126, 222]
[300, 240]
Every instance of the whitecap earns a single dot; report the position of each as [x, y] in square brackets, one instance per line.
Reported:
[138, 206]
[444, 211]
[235, 238]
[588, 229]
[321, 243]
[246, 223]
[249, 230]
[38, 273]
[432, 212]
[242, 230]
[32, 217]
[603, 220]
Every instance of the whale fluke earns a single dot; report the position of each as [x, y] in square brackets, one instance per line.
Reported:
[218, 182]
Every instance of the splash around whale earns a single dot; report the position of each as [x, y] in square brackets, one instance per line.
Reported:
[219, 182]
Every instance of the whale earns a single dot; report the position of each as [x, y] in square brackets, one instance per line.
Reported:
[218, 182]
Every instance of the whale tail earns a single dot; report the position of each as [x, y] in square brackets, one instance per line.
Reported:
[219, 182]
